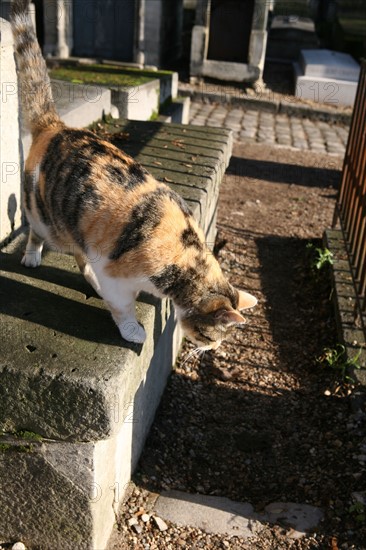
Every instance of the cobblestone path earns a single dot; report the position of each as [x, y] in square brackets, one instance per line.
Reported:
[273, 129]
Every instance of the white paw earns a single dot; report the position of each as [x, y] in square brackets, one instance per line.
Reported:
[132, 332]
[32, 259]
[91, 278]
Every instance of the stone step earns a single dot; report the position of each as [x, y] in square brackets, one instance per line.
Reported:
[176, 111]
[76, 401]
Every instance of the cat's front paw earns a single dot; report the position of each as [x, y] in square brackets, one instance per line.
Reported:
[32, 259]
[132, 332]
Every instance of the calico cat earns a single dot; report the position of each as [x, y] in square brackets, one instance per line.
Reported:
[128, 232]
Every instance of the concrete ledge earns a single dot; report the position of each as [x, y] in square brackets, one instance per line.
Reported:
[350, 329]
[168, 81]
[82, 398]
[78, 105]
[137, 102]
[232, 96]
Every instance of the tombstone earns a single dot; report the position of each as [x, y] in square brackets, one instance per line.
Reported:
[134, 31]
[229, 39]
[288, 35]
[104, 29]
[57, 28]
[326, 76]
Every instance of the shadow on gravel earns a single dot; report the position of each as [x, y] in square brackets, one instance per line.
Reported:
[326, 175]
[257, 426]
[255, 421]
[299, 310]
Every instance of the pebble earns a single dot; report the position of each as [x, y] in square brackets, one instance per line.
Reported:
[132, 521]
[18, 546]
[145, 518]
[162, 526]
[137, 528]
[359, 496]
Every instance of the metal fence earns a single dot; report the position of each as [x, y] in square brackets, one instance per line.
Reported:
[351, 201]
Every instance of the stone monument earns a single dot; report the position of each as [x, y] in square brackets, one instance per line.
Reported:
[229, 40]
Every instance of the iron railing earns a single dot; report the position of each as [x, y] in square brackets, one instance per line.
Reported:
[351, 201]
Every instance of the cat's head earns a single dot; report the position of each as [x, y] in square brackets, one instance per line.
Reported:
[213, 318]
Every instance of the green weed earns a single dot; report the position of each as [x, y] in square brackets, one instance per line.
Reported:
[358, 511]
[336, 359]
[319, 257]
[25, 434]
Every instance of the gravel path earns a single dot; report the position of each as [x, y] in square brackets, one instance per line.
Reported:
[260, 420]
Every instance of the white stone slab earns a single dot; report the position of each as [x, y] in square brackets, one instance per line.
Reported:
[10, 196]
[209, 513]
[329, 64]
[330, 91]
[214, 514]
[137, 102]
[301, 518]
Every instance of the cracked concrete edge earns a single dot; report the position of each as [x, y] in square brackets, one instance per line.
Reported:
[275, 106]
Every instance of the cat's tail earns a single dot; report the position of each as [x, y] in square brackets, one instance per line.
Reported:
[38, 107]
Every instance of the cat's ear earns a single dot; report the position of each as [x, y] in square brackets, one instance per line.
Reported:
[246, 300]
[229, 317]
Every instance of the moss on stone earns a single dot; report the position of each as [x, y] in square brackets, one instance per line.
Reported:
[7, 447]
[25, 434]
[105, 75]
[154, 115]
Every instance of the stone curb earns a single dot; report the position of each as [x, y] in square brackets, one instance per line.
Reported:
[344, 297]
[275, 106]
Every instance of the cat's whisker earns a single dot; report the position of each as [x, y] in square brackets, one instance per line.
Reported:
[192, 353]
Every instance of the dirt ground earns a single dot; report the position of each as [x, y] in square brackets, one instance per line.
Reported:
[260, 420]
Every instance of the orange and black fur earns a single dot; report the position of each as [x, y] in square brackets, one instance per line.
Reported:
[128, 232]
